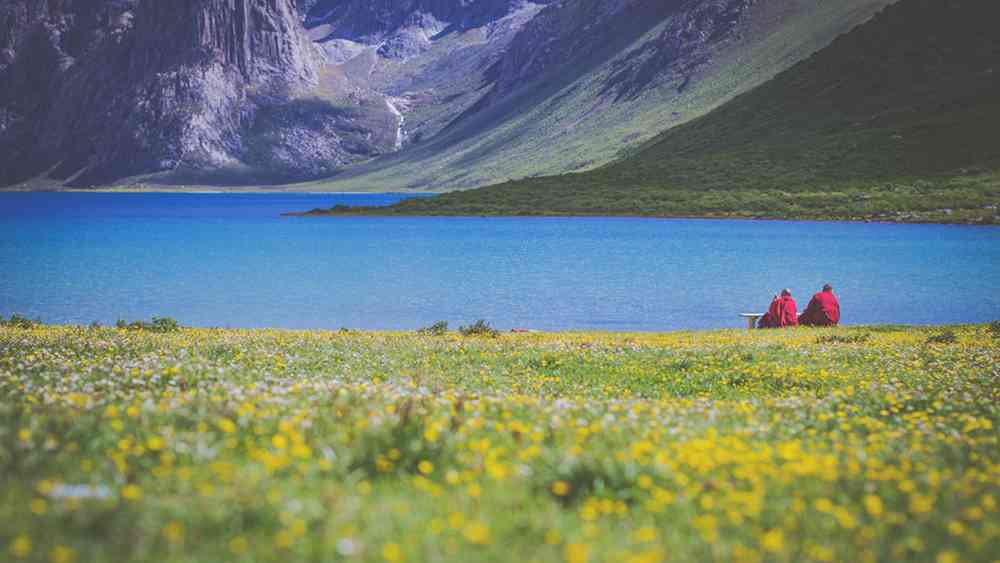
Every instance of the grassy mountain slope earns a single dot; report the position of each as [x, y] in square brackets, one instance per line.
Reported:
[897, 119]
[568, 121]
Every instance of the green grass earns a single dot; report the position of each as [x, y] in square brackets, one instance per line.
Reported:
[866, 443]
[895, 120]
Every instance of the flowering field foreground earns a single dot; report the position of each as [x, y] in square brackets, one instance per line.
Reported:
[867, 444]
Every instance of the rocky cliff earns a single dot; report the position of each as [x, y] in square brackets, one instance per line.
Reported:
[373, 21]
[680, 36]
[227, 91]
[105, 89]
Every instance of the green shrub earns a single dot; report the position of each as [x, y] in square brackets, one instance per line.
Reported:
[158, 324]
[844, 339]
[164, 324]
[995, 329]
[439, 328]
[18, 321]
[479, 328]
[944, 337]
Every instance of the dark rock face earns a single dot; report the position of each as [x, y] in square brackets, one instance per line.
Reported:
[106, 89]
[587, 32]
[566, 32]
[202, 90]
[681, 49]
[401, 29]
[310, 138]
[45, 44]
[259, 38]
[425, 62]
[371, 21]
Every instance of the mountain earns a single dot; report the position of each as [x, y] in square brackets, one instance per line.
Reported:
[373, 94]
[231, 92]
[422, 61]
[586, 81]
[895, 120]
[100, 90]
[393, 23]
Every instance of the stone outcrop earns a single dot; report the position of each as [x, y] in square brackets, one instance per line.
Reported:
[681, 48]
[372, 21]
[588, 32]
[101, 90]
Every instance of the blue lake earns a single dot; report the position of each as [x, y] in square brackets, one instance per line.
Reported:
[230, 260]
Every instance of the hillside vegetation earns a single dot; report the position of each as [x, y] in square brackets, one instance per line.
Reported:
[896, 120]
[596, 78]
[859, 444]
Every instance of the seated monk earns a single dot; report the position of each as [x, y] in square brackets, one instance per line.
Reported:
[823, 309]
[782, 312]
[767, 321]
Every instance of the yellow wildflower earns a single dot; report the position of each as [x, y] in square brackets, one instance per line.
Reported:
[477, 533]
[239, 545]
[645, 534]
[873, 505]
[62, 554]
[561, 488]
[174, 532]
[392, 553]
[131, 492]
[773, 541]
[21, 547]
[576, 553]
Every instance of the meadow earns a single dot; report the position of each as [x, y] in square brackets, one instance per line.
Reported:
[854, 444]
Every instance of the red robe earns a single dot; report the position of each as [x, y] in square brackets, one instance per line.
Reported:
[823, 310]
[767, 321]
[782, 313]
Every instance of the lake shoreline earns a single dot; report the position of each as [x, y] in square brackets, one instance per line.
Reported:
[961, 217]
[454, 334]
[374, 212]
[211, 190]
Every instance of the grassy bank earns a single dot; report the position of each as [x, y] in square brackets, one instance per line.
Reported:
[970, 200]
[863, 444]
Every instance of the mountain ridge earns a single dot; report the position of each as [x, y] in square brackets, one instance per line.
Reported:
[233, 123]
[420, 94]
[567, 119]
[893, 121]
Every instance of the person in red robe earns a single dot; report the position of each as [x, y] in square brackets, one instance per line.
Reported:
[767, 321]
[782, 313]
[823, 309]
